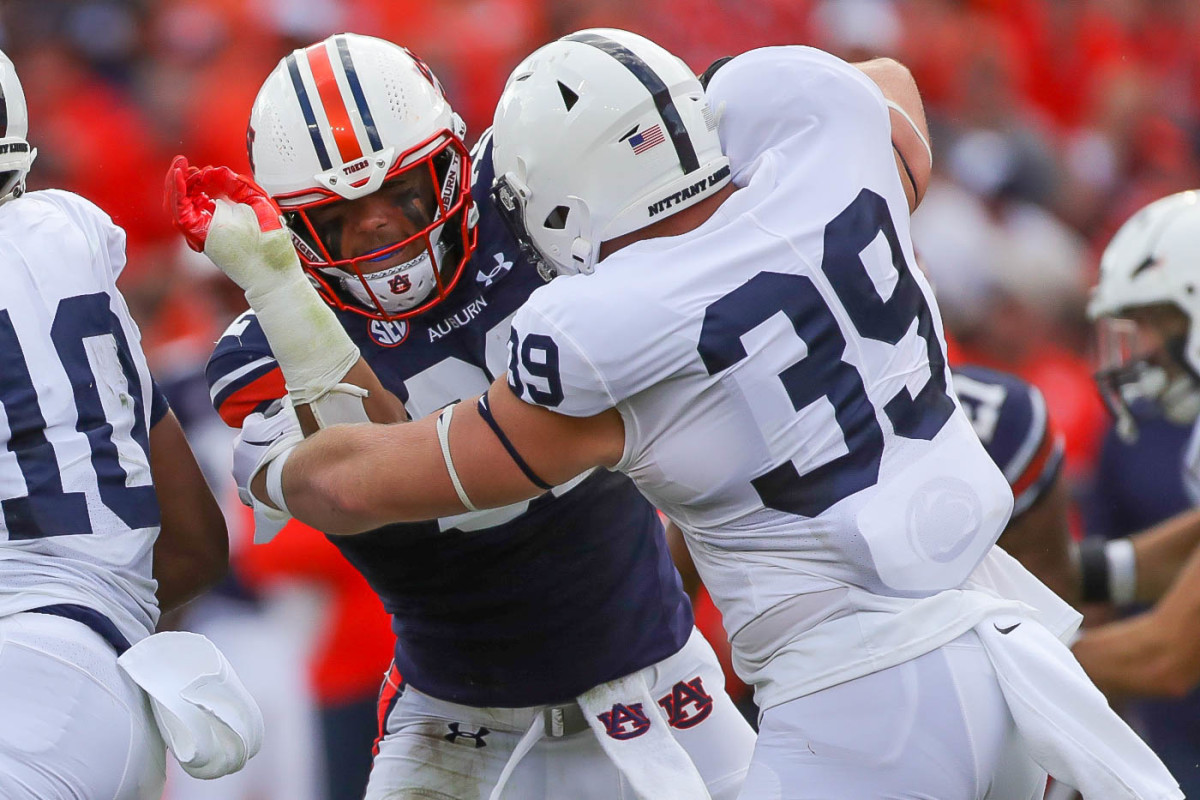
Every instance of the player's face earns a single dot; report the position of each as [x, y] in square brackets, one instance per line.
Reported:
[397, 210]
[1156, 328]
[1140, 359]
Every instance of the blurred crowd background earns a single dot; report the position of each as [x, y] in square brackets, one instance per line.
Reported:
[1052, 121]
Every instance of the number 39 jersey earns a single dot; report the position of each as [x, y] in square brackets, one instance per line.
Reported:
[780, 370]
[79, 514]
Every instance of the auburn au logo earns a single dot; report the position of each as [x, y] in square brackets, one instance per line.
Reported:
[625, 721]
[687, 705]
[400, 284]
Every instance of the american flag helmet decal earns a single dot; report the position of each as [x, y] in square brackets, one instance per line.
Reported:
[644, 140]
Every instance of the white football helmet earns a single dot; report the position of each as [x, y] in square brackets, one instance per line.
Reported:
[16, 156]
[599, 134]
[341, 119]
[1152, 262]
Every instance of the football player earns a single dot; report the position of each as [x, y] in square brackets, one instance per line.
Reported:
[1144, 306]
[502, 617]
[739, 328]
[106, 519]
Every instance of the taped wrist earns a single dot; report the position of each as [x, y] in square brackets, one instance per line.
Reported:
[1108, 571]
[341, 405]
[312, 348]
[275, 481]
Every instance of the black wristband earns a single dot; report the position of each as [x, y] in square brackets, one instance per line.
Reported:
[1093, 570]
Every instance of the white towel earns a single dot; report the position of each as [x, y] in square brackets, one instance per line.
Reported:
[656, 766]
[1064, 720]
[209, 721]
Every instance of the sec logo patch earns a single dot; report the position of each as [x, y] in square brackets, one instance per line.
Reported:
[388, 334]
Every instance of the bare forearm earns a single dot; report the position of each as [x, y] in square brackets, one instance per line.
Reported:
[192, 550]
[180, 581]
[353, 478]
[1162, 552]
[1156, 653]
[1144, 656]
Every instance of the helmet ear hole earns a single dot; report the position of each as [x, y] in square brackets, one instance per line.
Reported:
[556, 220]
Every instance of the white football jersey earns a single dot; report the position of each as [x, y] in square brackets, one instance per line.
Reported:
[79, 514]
[780, 370]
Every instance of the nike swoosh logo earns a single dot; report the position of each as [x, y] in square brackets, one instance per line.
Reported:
[1007, 630]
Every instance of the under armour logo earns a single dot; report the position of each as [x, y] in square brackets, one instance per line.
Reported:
[615, 721]
[687, 704]
[475, 738]
[400, 284]
[502, 267]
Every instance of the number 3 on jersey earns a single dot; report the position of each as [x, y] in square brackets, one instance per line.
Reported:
[822, 372]
[819, 372]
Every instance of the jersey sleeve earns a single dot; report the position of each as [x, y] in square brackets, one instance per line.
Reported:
[1010, 418]
[548, 367]
[242, 374]
[158, 403]
[794, 100]
[568, 353]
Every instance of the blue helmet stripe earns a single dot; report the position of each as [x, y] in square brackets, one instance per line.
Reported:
[309, 117]
[672, 121]
[360, 99]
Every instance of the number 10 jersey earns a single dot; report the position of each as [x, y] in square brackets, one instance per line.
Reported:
[780, 370]
[79, 513]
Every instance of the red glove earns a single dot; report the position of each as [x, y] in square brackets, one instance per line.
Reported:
[191, 195]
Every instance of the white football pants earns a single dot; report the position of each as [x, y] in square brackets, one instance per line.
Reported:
[934, 727]
[73, 726]
[444, 751]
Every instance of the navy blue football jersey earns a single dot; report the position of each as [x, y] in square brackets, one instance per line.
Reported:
[525, 605]
[1009, 415]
